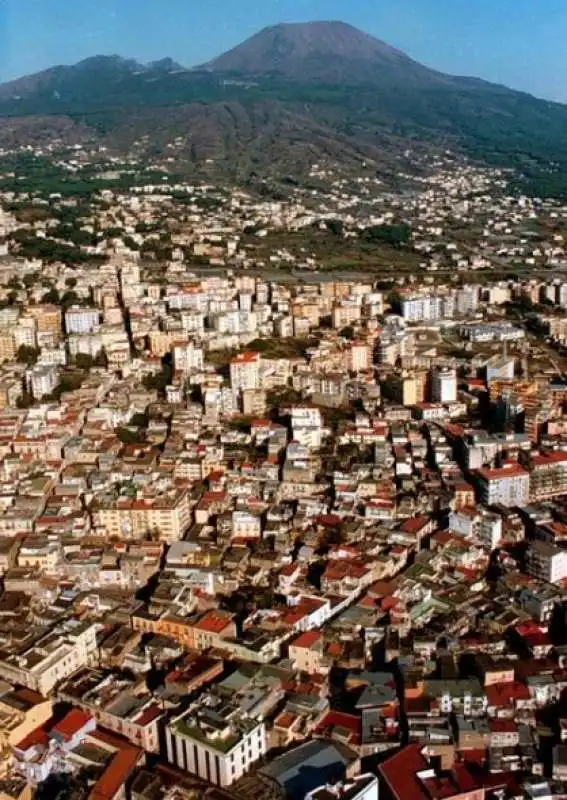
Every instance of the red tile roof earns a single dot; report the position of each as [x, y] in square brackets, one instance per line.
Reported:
[119, 769]
[307, 639]
[71, 723]
[510, 469]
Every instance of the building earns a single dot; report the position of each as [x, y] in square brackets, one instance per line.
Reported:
[508, 485]
[364, 787]
[21, 711]
[414, 389]
[48, 319]
[82, 320]
[51, 658]
[245, 371]
[409, 774]
[42, 380]
[546, 561]
[168, 515]
[548, 475]
[254, 402]
[499, 368]
[443, 385]
[215, 741]
[358, 357]
[7, 346]
[422, 309]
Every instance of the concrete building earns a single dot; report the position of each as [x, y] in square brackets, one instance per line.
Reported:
[508, 485]
[215, 741]
[443, 385]
[546, 561]
[82, 320]
[245, 371]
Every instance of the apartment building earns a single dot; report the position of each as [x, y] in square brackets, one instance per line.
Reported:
[51, 659]
[82, 320]
[548, 475]
[245, 371]
[215, 741]
[508, 485]
[167, 515]
[546, 561]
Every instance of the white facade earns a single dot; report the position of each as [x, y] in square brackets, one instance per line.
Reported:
[82, 320]
[43, 380]
[444, 386]
[209, 755]
[423, 308]
[245, 372]
[363, 787]
[547, 562]
[508, 486]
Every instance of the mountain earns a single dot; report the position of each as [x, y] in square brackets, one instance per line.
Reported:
[321, 52]
[288, 97]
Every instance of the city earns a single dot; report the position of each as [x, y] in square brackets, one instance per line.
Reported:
[283, 428]
[266, 527]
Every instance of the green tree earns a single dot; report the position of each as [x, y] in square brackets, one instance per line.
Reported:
[127, 436]
[347, 332]
[52, 296]
[70, 298]
[84, 361]
[27, 355]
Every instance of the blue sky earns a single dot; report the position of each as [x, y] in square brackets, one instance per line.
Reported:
[517, 42]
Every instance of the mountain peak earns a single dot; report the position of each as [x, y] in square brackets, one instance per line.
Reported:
[110, 62]
[313, 51]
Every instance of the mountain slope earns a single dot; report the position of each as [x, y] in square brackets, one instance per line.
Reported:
[288, 97]
[326, 52]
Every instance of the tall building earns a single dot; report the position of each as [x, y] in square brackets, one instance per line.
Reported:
[358, 357]
[254, 402]
[414, 389]
[508, 485]
[215, 741]
[48, 318]
[7, 346]
[245, 371]
[546, 561]
[42, 380]
[82, 320]
[548, 476]
[443, 385]
[422, 308]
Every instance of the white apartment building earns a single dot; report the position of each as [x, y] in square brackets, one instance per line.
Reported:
[42, 380]
[187, 357]
[481, 525]
[546, 561]
[89, 344]
[420, 308]
[82, 320]
[466, 300]
[508, 485]
[245, 372]
[443, 386]
[215, 741]
[51, 659]
[25, 333]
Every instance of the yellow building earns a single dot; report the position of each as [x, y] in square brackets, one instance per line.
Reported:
[47, 317]
[167, 516]
[21, 711]
[414, 389]
[254, 402]
[7, 346]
